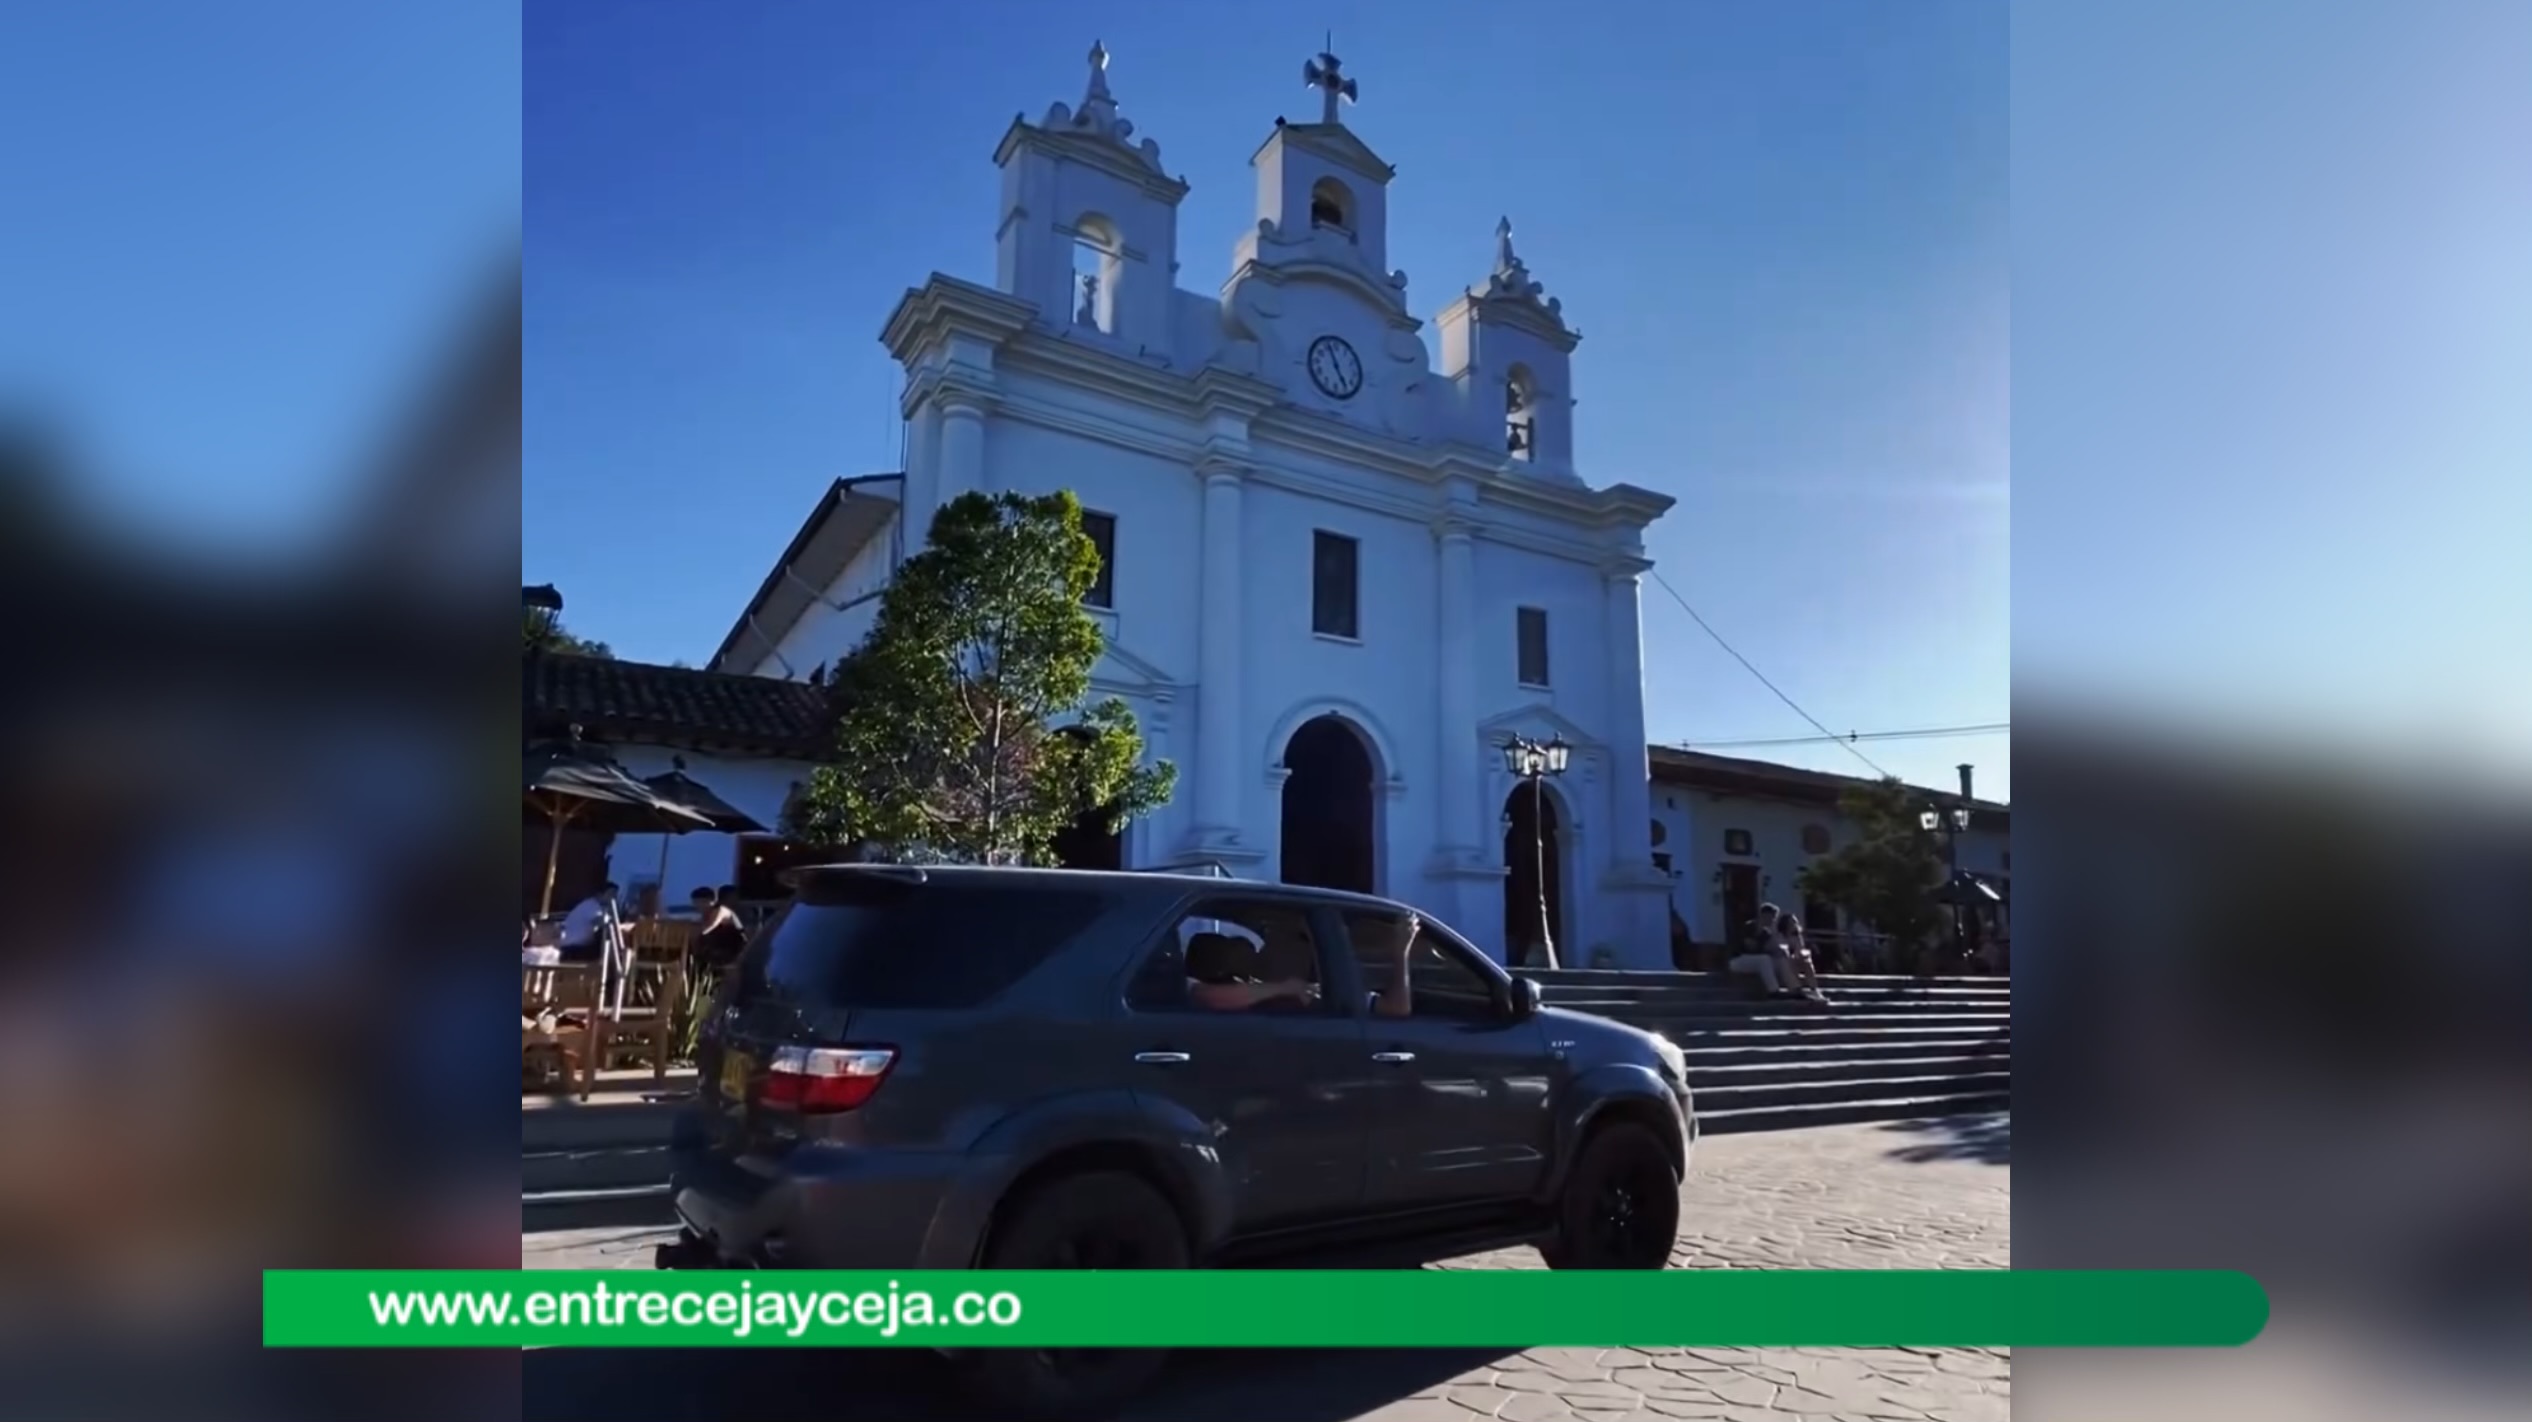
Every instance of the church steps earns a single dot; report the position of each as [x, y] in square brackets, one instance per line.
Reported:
[1708, 1080]
[1681, 1028]
[1631, 977]
[1838, 1113]
[1851, 1090]
[1704, 1060]
[1819, 1036]
[1724, 1008]
[1881, 1047]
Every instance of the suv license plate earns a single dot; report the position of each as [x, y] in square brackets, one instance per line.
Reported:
[735, 1068]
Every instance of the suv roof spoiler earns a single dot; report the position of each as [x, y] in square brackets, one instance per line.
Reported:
[1212, 867]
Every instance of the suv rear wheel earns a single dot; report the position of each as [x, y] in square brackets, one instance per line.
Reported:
[1620, 1209]
[1104, 1220]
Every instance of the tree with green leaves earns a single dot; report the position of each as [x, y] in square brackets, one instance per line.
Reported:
[1891, 875]
[546, 633]
[947, 742]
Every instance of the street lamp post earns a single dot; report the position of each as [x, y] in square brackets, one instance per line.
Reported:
[1534, 761]
[1932, 818]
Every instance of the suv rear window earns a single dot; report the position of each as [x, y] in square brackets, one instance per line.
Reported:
[889, 943]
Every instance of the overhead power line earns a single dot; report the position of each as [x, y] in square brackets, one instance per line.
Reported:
[1762, 677]
[1929, 733]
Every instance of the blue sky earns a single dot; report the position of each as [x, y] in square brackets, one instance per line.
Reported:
[237, 235]
[1783, 229]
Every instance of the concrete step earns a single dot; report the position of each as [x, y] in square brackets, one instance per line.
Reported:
[1963, 1045]
[1838, 1113]
[602, 1121]
[1761, 1006]
[1725, 1099]
[1680, 1028]
[1818, 1034]
[1557, 976]
[1728, 983]
[1706, 1077]
[577, 1172]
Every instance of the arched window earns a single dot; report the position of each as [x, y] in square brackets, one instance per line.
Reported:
[1332, 206]
[1098, 262]
[1520, 395]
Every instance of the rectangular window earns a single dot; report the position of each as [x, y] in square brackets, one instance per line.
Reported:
[1333, 591]
[1102, 529]
[1533, 638]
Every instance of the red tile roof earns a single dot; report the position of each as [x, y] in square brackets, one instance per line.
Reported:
[680, 706]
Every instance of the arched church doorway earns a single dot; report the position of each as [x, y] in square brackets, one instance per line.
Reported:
[1328, 831]
[1088, 843]
[1533, 847]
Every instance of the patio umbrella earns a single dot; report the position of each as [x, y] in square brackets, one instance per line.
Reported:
[572, 784]
[685, 790]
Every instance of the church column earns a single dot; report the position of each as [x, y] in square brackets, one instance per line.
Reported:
[1459, 769]
[1218, 644]
[962, 443]
[1630, 788]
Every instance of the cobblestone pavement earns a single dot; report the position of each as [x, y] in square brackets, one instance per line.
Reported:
[1922, 1194]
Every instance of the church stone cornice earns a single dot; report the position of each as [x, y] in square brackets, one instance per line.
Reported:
[1099, 368]
[1279, 257]
[1524, 316]
[1128, 165]
[1220, 392]
[1332, 141]
[944, 309]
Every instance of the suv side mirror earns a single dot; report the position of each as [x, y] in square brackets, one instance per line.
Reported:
[1525, 999]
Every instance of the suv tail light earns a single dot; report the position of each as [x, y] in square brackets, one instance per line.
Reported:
[811, 1079]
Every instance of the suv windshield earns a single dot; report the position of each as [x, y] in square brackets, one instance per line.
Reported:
[885, 942]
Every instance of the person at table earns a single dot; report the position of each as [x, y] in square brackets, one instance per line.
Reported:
[719, 936]
[585, 927]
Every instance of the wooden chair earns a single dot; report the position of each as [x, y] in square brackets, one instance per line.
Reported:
[645, 1028]
[560, 1026]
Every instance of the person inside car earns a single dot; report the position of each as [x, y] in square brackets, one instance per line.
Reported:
[1221, 976]
[1396, 998]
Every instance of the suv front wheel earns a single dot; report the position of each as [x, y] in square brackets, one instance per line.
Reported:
[1103, 1220]
[1620, 1209]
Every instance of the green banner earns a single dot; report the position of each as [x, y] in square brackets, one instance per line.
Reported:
[1416, 1308]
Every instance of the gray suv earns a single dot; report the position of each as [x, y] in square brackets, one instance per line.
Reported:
[928, 1068]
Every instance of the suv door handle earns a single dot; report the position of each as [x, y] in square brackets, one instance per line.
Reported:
[1393, 1057]
[1162, 1058]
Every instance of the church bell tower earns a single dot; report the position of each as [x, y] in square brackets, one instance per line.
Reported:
[1318, 178]
[1506, 344]
[1089, 230]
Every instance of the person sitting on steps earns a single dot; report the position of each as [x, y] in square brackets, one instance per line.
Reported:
[1796, 958]
[1758, 953]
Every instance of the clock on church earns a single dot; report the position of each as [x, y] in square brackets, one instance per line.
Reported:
[1335, 368]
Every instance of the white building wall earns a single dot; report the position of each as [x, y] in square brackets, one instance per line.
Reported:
[1694, 823]
[836, 623]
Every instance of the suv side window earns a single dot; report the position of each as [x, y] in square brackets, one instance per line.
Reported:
[1234, 957]
[1442, 982]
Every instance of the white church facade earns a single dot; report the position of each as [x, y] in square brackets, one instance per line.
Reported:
[1347, 555]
